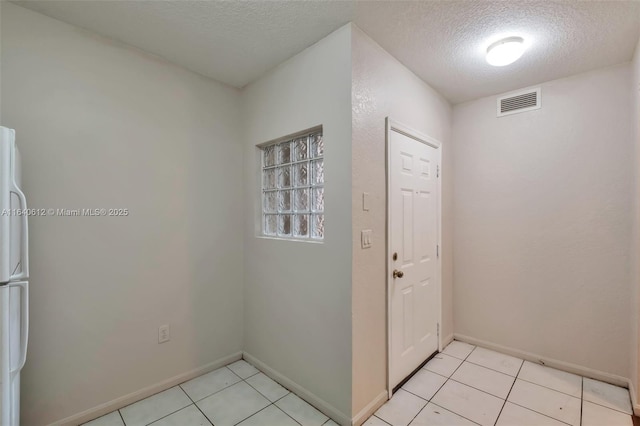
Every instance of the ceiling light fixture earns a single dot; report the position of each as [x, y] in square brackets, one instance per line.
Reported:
[506, 51]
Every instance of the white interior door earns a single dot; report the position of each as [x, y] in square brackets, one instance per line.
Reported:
[414, 265]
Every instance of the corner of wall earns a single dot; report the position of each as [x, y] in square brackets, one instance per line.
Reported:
[383, 87]
[292, 323]
[635, 236]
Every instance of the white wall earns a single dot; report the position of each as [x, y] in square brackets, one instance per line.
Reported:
[383, 87]
[102, 125]
[635, 231]
[298, 294]
[0, 64]
[542, 212]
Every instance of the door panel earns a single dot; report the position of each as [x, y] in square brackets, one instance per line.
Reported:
[407, 228]
[407, 326]
[413, 224]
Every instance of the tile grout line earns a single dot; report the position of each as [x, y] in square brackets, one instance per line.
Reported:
[283, 396]
[151, 396]
[233, 372]
[291, 393]
[479, 390]
[510, 389]
[274, 402]
[459, 415]
[196, 405]
[547, 387]
[211, 394]
[581, 398]
[493, 369]
[416, 395]
[264, 396]
[383, 421]
[605, 406]
[256, 389]
[144, 399]
[485, 392]
[173, 412]
[157, 420]
[258, 371]
[248, 417]
[445, 382]
[531, 409]
[419, 411]
[248, 384]
[538, 412]
[428, 401]
[287, 414]
[538, 384]
[527, 381]
[450, 378]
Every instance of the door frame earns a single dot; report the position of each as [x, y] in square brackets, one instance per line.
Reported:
[392, 125]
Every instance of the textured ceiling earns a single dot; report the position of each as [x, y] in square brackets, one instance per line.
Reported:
[443, 42]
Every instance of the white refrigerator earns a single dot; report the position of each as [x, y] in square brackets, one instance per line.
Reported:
[14, 274]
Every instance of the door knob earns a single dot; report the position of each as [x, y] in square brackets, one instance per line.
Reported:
[398, 274]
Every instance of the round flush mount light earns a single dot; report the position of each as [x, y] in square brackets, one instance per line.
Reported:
[506, 51]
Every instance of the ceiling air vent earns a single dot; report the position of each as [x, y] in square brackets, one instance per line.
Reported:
[519, 102]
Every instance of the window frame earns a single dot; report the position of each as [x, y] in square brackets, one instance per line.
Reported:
[275, 187]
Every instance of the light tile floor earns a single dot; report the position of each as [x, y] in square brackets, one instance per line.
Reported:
[464, 385]
[469, 385]
[238, 394]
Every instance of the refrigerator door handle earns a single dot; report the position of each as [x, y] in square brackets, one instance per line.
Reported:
[24, 322]
[24, 235]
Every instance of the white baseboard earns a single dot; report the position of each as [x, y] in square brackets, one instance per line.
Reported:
[123, 401]
[383, 397]
[553, 363]
[634, 398]
[371, 408]
[335, 414]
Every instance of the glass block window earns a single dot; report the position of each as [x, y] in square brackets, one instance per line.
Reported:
[293, 188]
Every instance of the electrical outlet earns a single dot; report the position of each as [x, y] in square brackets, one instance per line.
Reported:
[164, 334]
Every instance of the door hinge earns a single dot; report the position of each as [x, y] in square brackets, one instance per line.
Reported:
[437, 251]
[438, 328]
[438, 171]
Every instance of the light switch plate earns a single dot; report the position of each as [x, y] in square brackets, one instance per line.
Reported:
[367, 238]
[365, 201]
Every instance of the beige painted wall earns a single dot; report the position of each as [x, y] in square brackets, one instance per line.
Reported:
[102, 125]
[383, 87]
[297, 295]
[635, 233]
[542, 212]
